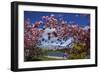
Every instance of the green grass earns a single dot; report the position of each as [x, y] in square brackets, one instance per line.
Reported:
[42, 58]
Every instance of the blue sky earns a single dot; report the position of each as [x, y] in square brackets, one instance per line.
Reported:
[80, 19]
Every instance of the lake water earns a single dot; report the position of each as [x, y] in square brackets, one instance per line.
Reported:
[56, 54]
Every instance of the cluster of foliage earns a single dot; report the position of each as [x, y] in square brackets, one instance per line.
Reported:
[34, 53]
[79, 51]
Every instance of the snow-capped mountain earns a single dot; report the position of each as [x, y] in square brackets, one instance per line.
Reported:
[49, 41]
